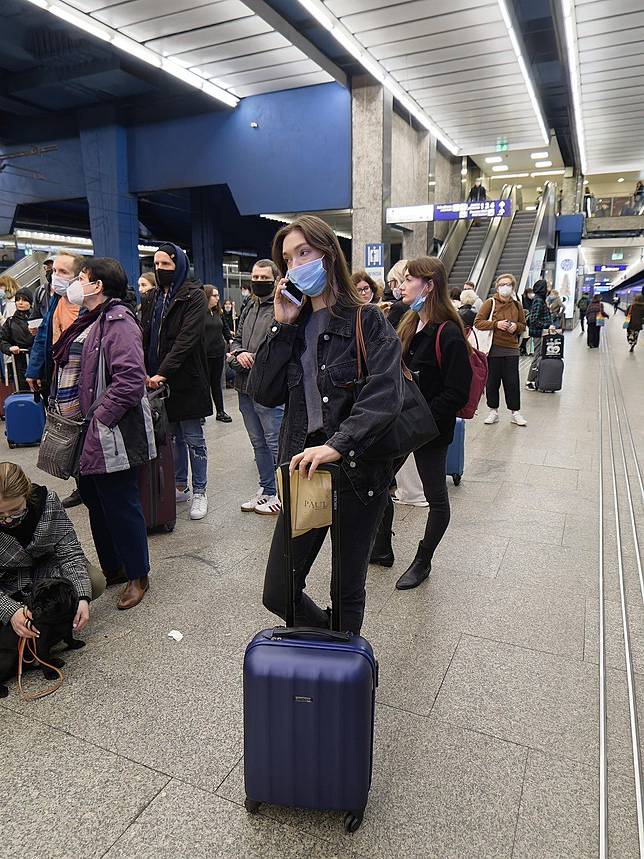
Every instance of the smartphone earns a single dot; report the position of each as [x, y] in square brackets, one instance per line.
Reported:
[293, 293]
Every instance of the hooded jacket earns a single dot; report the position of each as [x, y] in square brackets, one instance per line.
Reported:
[509, 310]
[539, 317]
[174, 325]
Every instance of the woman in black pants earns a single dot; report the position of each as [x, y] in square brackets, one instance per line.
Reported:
[218, 338]
[309, 362]
[446, 387]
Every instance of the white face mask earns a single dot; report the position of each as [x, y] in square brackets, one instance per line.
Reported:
[59, 284]
[76, 293]
[396, 293]
[505, 291]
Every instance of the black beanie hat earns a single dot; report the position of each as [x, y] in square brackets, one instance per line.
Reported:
[169, 249]
[24, 293]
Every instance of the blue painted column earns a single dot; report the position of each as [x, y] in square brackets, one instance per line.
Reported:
[207, 238]
[113, 211]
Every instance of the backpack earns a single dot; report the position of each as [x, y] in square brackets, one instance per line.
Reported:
[478, 363]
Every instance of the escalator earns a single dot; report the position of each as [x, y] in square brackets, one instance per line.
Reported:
[466, 257]
[515, 251]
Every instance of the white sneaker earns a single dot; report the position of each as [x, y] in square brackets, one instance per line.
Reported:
[181, 495]
[492, 418]
[519, 420]
[259, 498]
[199, 506]
[270, 507]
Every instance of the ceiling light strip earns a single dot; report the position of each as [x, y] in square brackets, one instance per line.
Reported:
[570, 29]
[136, 49]
[514, 41]
[344, 37]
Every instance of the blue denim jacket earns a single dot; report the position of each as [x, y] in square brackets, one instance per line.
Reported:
[40, 360]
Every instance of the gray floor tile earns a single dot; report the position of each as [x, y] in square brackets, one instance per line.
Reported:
[614, 637]
[186, 822]
[559, 818]
[560, 569]
[438, 791]
[61, 797]
[543, 701]
[494, 471]
[551, 478]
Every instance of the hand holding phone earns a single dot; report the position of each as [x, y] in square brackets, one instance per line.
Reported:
[286, 309]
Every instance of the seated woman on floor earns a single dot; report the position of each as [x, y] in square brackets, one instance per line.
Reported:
[38, 541]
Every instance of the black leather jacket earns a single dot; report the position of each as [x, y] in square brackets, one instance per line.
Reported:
[354, 416]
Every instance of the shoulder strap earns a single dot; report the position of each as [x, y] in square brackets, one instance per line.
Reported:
[361, 349]
[438, 343]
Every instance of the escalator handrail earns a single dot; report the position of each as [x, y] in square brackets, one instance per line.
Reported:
[548, 201]
[453, 244]
[497, 232]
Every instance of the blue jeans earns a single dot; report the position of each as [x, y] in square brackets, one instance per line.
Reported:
[188, 439]
[263, 428]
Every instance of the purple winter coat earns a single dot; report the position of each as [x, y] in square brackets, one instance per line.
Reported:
[120, 433]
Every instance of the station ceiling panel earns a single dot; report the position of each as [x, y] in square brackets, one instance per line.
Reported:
[224, 41]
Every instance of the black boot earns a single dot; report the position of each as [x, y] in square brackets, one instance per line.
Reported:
[417, 572]
[382, 553]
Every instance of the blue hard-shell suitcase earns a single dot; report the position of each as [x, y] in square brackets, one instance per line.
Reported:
[309, 704]
[456, 453]
[24, 420]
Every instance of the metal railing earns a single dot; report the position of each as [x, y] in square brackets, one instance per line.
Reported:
[613, 207]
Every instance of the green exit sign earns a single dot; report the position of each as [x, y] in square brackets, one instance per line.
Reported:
[501, 144]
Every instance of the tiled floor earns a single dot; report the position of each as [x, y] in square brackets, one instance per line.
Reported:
[487, 718]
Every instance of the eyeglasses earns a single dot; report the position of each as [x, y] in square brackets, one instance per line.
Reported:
[13, 518]
[363, 290]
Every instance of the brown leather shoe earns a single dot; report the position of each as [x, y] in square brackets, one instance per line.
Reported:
[133, 593]
[118, 577]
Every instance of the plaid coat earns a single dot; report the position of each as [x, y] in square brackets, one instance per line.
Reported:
[54, 552]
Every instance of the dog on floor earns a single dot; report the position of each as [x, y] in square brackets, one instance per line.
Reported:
[53, 604]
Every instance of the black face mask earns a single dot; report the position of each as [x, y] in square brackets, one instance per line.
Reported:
[263, 288]
[164, 277]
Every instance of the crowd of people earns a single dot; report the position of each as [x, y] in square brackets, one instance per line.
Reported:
[84, 344]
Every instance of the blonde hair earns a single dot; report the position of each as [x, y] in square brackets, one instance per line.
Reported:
[14, 483]
[509, 277]
[9, 284]
[468, 297]
[397, 271]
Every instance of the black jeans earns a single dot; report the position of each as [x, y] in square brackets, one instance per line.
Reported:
[582, 320]
[215, 369]
[593, 335]
[506, 370]
[358, 526]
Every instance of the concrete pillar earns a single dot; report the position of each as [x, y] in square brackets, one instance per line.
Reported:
[207, 239]
[7, 212]
[113, 211]
[448, 187]
[409, 180]
[371, 119]
[569, 201]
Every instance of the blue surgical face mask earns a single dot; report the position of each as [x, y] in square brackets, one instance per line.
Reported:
[417, 303]
[309, 278]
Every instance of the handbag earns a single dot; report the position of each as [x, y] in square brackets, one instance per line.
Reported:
[600, 320]
[482, 340]
[156, 399]
[478, 363]
[61, 445]
[413, 427]
[627, 322]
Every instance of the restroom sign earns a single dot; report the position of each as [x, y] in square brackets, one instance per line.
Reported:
[374, 255]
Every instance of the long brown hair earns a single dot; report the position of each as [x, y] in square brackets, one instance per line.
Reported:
[209, 290]
[438, 303]
[340, 289]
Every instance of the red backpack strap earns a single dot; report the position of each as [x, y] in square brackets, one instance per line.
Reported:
[438, 343]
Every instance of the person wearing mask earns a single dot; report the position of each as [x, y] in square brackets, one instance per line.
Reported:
[38, 541]
[478, 304]
[367, 288]
[446, 387]
[217, 338]
[99, 377]
[503, 315]
[230, 317]
[16, 338]
[262, 422]
[146, 282]
[582, 306]
[595, 311]
[393, 293]
[64, 314]
[67, 267]
[635, 314]
[9, 286]
[539, 321]
[309, 360]
[466, 310]
[174, 325]
[477, 193]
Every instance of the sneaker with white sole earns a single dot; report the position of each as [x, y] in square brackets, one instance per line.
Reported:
[199, 506]
[492, 418]
[270, 507]
[519, 420]
[181, 495]
[531, 386]
[258, 498]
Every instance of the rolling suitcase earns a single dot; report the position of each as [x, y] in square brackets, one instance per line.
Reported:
[157, 490]
[552, 346]
[6, 388]
[24, 415]
[309, 704]
[456, 453]
[549, 375]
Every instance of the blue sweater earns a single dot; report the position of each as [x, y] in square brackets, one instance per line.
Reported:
[40, 360]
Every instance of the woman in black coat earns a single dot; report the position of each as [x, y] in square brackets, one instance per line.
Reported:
[218, 337]
[15, 337]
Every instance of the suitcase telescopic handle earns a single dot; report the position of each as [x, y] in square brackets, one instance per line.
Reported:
[289, 569]
[315, 631]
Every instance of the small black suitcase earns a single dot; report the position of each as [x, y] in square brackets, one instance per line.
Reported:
[550, 375]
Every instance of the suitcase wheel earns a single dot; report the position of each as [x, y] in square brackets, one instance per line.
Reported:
[456, 478]
[11, 445]
[251, 806]
[168, 527]
[352, 821]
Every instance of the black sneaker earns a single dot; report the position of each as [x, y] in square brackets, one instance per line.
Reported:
[72, 500]
[224, 418]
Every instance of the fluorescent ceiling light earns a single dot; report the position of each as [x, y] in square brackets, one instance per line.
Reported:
[519, 187]
[281, 219]
[511, 176]
[570, 27]
[536, 155]
[500, 168]
[493, 159]
[621, 179]
[136, 49]
[464, 171]
[507, 18]
[548, 173]
[344, 37]
[54, 238]
[543, 163]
